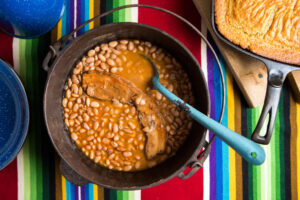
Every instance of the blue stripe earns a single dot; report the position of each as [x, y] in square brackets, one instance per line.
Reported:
[63, 22]
[91, 191]
[72, 191]
[86, 192]
[225, 148]
[82, 11]
[68, 20]
[218, 100]
[87, 14]
[68, 190]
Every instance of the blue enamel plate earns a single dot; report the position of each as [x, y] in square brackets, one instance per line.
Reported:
[14, 114]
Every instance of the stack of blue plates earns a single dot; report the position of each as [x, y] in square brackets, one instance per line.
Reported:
[14, 114]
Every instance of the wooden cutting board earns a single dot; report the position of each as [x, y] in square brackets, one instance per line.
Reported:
[249, 73]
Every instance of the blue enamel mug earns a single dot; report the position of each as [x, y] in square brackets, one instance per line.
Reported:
[29, 18]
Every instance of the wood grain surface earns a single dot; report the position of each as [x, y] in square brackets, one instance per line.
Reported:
[249, 73]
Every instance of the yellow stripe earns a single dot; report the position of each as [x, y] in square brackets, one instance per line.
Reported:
[95, 187]
[298, 148]
[92, 13]
[59, 28]
[63, 188]
[231, 113]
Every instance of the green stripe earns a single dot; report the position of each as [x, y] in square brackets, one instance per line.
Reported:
[128, 11]
[263, 167]
[32, 130]
[119, 194]
[37, 101]
[125, 195]
[250, 168]
[113, 195]
[116, 14]
[109, 6]
[131, 195]
[273, 167]
[26, 147]
[282, 142]
[276, 167]
[256, 172]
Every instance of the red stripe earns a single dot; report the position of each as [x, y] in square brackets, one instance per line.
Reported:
[8, 176]
[172, 25]
[174, 189]
[6, 52]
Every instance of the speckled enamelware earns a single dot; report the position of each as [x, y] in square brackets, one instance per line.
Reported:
[14, 114]
[29, 18]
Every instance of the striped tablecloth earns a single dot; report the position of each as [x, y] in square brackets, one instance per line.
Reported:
[34, 174]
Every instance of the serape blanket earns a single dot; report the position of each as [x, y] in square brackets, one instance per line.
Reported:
[34, 174]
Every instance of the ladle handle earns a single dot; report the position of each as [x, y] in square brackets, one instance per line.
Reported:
[270, 109]
[248, 149]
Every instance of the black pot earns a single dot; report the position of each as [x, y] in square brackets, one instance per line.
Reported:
[62, 63]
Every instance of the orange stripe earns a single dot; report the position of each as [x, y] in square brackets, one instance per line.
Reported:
[298, 149]
[91, 9]
[231, 125]
[58, 186]
[293, 152]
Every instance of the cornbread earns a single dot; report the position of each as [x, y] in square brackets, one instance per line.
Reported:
[112, 113]
[270, 28]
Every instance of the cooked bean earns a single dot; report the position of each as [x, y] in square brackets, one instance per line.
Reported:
[105, 141]
[95, 104]
[113, 56]
[90, 138]
[96, 125]
[86, 126]
[130, 46]
[75, 107]
[111, 62]
[70, 104]
[90, 60]
[127, 168]
[91, 52]
[140, 48]
[68, 93]
[113, 44]
[122, 47]
[113, 70]
[88, 101]
[73, 115]
[74, 136]
[65, 102]
[115, 128]
[104, 66]
[132, 126]
[86, 117]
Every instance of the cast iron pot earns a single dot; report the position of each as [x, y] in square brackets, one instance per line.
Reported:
[77, 167]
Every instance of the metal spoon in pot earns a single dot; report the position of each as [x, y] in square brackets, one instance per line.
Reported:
[248, 149]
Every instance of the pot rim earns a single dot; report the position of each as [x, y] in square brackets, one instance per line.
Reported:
[203, 139]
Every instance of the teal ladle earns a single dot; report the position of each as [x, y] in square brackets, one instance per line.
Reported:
[248, 149]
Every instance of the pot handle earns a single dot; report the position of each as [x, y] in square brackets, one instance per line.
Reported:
[269, 109]
[277, 73]
[197, 163]
[57, 47]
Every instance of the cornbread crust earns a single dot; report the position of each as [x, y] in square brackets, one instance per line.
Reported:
[265, 27]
